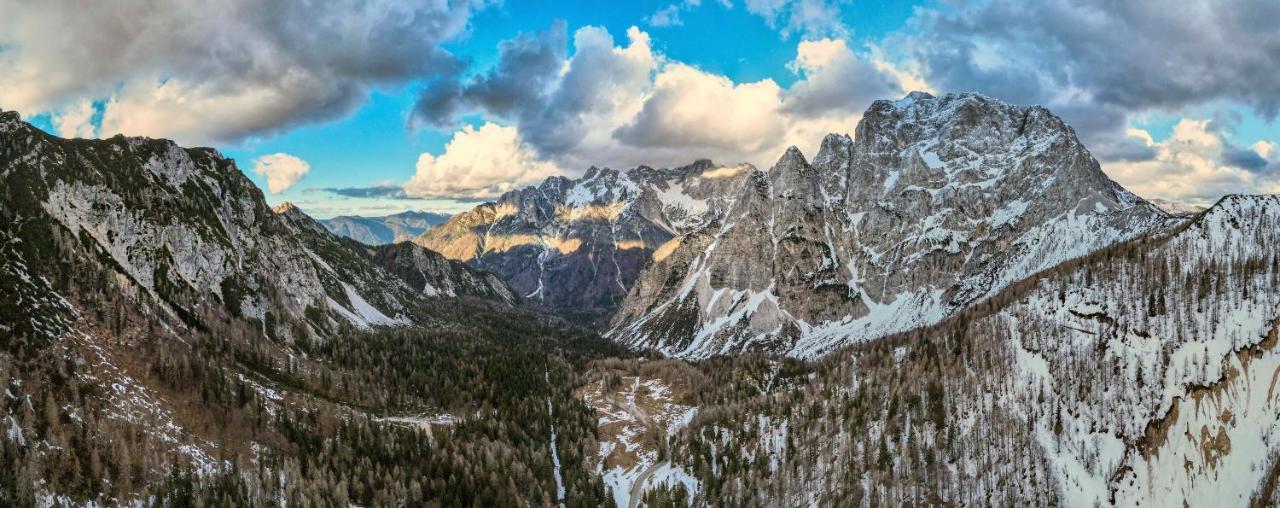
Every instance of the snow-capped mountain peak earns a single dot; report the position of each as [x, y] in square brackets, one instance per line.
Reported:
[937, 202]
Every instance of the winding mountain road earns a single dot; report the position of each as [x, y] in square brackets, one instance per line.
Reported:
[637, 487]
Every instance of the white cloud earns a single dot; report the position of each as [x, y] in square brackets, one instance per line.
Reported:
[281, 169]
[479, 163]
[1191, 166]
[1265, 149]
[812, 18]
[666, 16]
[690, 108]
[627, 105]
[210, 112]
[830, 67]
[601, 88]
[218, 71]
[75, 121]
[688, 113]
[670, 15]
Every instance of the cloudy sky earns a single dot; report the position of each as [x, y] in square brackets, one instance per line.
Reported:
[375, 106]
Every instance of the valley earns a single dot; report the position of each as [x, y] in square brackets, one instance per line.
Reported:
[954, 305]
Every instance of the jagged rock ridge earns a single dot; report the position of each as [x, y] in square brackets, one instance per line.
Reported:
[937, 203]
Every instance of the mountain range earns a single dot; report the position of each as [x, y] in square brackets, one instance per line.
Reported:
[940, 202]
[954, 305]
[394, 228]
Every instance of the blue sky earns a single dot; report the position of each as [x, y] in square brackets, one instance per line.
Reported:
[376, 107]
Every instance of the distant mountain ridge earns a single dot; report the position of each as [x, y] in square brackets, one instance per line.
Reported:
[394, 228]
[576, 246]
[1177, 207]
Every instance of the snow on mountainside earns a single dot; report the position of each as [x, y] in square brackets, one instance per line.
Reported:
[640, 406]
[576, 246]
[1144, 374]
[937, 203]
[1192, 335]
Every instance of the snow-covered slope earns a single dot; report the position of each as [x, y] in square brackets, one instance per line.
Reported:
[1142, 375]
[1186, 414]
[937, 203]
[151, 301]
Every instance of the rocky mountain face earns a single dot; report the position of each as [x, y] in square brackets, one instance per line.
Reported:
[577, 246]
[434, 275]
[186, 228]
[936, 203]
[394, 228]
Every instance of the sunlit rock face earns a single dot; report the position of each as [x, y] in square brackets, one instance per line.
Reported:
[577, 246]
[935, 204]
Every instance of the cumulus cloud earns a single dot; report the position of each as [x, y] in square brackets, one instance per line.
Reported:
[1194, 166]
[526, 66]
[829, 67]
[75, 120]
[559, 108]
[1096, 62]
[625, 105]
[281, 169]
[223, 71]
[479, 163]
[689, 108]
